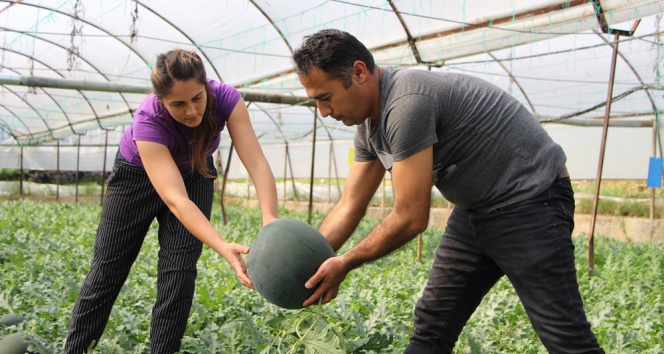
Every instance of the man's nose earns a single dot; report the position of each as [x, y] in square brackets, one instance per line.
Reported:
[324, 109]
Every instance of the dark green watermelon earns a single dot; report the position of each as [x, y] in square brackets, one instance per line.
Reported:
[14, 344]
[285, 254]
[11, 319]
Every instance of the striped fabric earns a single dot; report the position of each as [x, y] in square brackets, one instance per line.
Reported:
[129, 208]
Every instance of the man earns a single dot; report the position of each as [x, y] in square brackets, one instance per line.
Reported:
[514, 203]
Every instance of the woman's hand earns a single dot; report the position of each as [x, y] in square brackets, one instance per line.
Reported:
[232, 252]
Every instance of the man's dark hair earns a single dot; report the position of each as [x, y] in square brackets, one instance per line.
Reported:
[334, 52]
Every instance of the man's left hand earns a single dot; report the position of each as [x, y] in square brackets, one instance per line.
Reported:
[329, 276]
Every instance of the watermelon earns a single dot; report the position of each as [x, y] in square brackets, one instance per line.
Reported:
[10, 319]
[284, 255]
[14, 344]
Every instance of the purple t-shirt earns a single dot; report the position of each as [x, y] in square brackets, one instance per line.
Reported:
[153, 123]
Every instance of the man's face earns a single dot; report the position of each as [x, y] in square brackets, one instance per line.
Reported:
[346, 105]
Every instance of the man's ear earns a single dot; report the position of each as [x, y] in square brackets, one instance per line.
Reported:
[360, 72]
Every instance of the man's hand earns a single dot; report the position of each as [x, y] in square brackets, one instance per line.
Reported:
[329, 276]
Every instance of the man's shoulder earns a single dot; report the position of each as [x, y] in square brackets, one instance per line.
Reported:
[417, 75]
[401, 83]
[417, 79]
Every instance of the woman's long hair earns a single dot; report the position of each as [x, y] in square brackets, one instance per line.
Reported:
[182, 65]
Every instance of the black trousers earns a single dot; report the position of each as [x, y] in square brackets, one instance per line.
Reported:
[129, 208]
[530, 242]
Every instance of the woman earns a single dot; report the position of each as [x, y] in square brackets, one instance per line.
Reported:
[164, 170]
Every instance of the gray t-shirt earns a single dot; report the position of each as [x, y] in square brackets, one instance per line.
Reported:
[488, 150]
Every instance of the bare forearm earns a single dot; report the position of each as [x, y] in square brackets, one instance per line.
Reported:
[339, 224]
[267, 193]
[391, 233]
[193, 219]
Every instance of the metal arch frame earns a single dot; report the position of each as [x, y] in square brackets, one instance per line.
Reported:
[3, 124]
[26, 127]
[601, 18]
[313, 131]
[34, 109]
[283, 136]
[290, 49]
[277, 100]
[412, 45]
[486, 24]
[631, 67]
[80, 57]
[329, 135]
[39, 137]
[12, 4]
[269, 19]
[29, 105]
[513, 78]
[283, 37]
[56, 103]
[94, 26]
[412, 42]
[101, 29]
[574, 3]
[6, 125]
[185, 35]
[311, 109]
[58, 73]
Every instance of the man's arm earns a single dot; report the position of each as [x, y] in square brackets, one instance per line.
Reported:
[411, 180]
[361, 185]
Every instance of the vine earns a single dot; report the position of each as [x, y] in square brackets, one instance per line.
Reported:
[73, 51]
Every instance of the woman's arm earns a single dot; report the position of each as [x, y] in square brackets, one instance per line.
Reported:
[252, 157]
[167, 181]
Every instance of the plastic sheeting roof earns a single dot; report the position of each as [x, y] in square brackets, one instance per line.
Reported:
[69, 67]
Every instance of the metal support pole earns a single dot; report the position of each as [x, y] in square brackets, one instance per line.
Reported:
[285, 173]
[329, 173]
[313, 164]
[78, 164]
[103, 172]
[290, 166]
[382, 194]
[248, 184]
[217, 165]
[600, 166]
[57, 174]
[654, 151]
[336, 177]
[20, 176]
[223, 186]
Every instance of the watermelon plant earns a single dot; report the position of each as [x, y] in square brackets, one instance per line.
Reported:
[46, 249]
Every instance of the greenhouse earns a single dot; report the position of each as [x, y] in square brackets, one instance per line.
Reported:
[73, 74]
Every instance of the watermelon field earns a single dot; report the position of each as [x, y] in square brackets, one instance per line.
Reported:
[46, 248]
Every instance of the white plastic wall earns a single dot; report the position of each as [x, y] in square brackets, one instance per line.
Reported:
[627, 155]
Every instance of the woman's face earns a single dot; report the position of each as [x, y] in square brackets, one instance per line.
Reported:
[186, 102]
